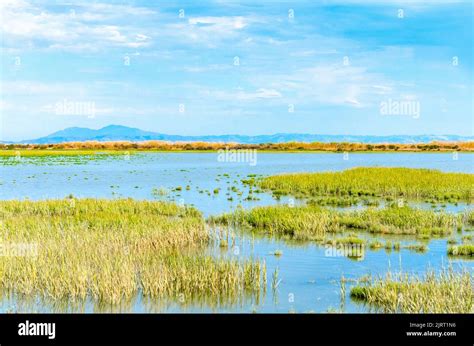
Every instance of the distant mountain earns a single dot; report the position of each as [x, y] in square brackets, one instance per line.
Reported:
[124, 133]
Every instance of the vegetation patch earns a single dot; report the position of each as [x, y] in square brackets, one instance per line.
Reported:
[314, 223]
[156, 145]
[446, 292]
[461, 250]
[378, 182]
[111, 250]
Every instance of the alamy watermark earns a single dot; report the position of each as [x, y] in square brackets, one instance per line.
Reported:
[344, 250]
[238, 155]
[66, 107]
[401, 107]
[18, 249]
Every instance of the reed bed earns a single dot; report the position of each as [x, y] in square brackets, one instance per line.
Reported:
[299, 223]
[112, 250]
[288, 146]
[376, 182]
[401, 220]
[469, 217]
[314, 223]
[461, 250]
[445, 292]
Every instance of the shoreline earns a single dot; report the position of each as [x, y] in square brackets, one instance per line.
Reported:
[98, 152]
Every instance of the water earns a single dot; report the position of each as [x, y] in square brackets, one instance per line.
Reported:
[136, 175]
[310, 276]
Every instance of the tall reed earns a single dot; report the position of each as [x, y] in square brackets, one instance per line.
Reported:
[444, 292]
[111, 250]
[314, 223]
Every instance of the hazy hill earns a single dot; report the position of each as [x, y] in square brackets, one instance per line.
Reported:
[124, 133]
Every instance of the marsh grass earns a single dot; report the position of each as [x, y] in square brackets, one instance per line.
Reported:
[401, 220]
[111, 250]
[59, 152]
[375, 182]
[376, 245]
[346, 241]
[461, 250]
[416, 247]
[445, 292]
[315, 223]
[55, 158]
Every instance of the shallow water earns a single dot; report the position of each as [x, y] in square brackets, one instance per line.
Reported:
[136, 175]
[310, 274]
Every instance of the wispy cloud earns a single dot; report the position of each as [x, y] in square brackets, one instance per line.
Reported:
[241, 95]
[76, 27]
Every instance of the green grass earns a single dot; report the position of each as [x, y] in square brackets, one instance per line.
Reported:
[446, 292]
[299, 223]
[59, 157]
[400, 220]
[388, 246]
[314, 223]
[375, 245]
[334, 201]
[111, 250]
[65, 152]
[160, 192]
[469, 217]
[461, 250]
[346, 241]
[375, 182]
[416, 247]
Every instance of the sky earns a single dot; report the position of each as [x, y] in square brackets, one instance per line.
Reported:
[237, 67]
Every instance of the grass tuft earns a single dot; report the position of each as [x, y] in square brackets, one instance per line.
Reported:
[446, 292]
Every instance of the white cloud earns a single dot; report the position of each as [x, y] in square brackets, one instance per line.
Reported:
[266, 93]
[220, 23]
[211, 30]
[241, 95]
[98, 26]
[208, 68]
[329, 85]
[83, 27]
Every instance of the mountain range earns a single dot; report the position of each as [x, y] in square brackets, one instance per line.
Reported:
[124, 133]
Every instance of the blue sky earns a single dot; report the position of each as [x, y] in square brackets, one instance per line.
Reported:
[221, 67]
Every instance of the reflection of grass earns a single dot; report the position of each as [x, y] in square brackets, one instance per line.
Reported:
[448, 292]
[375, 182]
[312, 223]
[112, 249]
